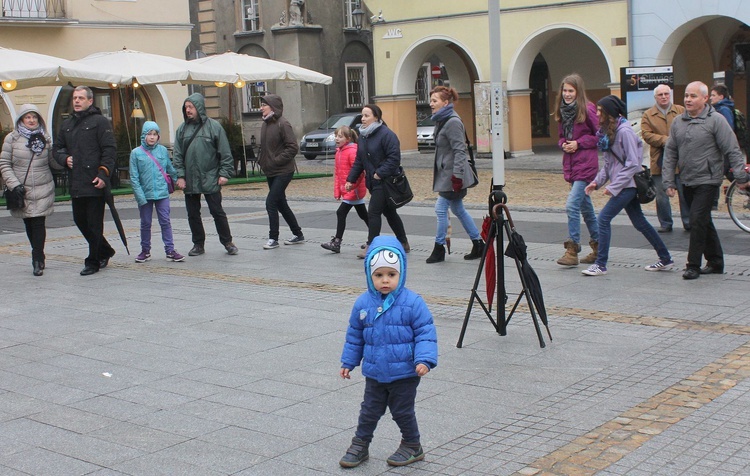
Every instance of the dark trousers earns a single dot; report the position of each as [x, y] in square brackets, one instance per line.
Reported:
[399, 397]
[378, 206]
[88, 215]
[37, 233]
[342, 213]
[193, 206]
[276, 203]
[704, 240]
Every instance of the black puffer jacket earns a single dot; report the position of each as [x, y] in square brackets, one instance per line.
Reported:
[87, 137]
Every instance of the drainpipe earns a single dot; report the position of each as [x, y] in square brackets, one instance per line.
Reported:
[631, 61]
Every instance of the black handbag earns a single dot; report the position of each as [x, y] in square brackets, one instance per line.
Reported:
[16, 199]
[397, 189]
[644, 185]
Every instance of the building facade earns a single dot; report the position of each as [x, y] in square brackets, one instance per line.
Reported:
[421, 43]
[72, 29]
[316, 34]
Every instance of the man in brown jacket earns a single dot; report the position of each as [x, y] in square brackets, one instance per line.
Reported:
[278, 146]
[655, 125]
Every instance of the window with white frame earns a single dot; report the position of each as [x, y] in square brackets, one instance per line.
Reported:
[251, 94]
[349, 7]
[356, 85]
[422, 86]
[250, 15]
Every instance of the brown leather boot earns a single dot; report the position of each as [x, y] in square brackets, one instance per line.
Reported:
[570, 258]
[591, 257]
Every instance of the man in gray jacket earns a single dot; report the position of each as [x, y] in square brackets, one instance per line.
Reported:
[698, 141]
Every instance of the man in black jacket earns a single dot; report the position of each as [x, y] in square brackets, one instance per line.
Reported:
[86, 146]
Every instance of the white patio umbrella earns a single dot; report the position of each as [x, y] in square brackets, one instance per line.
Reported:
[253, 68]
[23, 69]
[144, 68]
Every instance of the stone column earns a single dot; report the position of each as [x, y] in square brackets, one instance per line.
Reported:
[519, 122]
[400, 113]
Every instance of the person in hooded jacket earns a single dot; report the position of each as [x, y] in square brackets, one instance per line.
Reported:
[379, 155]
[278, 146]
[86, 146]
[150, 168]
[623, 158]
[392, 334]
[204, 163]
[27, 159]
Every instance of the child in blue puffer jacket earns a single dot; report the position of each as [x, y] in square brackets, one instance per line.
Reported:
[152, 176]
[391, 332]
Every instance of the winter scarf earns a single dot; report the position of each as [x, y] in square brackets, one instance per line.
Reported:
[366, 131]
[568, 115]
[443, 113]
[37, 142]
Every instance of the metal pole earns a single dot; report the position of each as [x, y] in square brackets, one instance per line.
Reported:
[497, 106]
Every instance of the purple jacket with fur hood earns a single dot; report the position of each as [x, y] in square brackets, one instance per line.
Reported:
[584, 162]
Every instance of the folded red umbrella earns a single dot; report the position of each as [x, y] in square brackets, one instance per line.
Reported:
[490, 273]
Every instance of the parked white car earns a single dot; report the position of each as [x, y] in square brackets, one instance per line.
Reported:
[425, 130]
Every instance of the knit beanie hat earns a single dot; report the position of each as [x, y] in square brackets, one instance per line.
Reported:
[613, 106]
[385, 259]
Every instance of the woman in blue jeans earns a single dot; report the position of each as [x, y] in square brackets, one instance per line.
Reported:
[452, 175]
[577, 126]
[623, 156]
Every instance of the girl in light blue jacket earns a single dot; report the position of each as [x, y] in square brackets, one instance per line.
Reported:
[152, 176]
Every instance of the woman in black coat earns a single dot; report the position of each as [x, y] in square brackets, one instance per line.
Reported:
[379, 155]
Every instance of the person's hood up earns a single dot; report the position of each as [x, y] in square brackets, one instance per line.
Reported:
[199, 102]
[275, 102]
[148, 126]
[387, 243]
[27, 108]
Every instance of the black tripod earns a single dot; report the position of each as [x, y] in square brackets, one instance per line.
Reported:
[499, 222]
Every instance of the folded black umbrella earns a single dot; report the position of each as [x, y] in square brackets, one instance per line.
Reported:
[516, 249]
[110, 199]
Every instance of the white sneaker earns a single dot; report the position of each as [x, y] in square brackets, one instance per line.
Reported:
[660, 266]
[271, 244]
[594, 270]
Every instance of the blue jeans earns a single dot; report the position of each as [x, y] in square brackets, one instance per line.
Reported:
[162, 214]
[626, 200]
[579, 204]
[457, 207]
[398, 396]
[664, 208]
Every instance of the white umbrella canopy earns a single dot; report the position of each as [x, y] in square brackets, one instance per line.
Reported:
[253, 68]
[128, 66]
[23, 69]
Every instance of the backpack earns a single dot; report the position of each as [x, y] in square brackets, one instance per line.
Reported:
[740, 130]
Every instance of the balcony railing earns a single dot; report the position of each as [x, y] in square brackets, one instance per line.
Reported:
[33, 9]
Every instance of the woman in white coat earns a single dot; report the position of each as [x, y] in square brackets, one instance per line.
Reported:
[25, 160]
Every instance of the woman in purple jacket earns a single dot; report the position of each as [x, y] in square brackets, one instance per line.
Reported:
[577, 126]
[623, 156]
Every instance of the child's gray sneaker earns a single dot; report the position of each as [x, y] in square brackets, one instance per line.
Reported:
[407, 453]
[356, 454]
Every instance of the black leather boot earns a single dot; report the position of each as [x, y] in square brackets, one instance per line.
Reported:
[38, 268]
[438, 254]
[477, 247]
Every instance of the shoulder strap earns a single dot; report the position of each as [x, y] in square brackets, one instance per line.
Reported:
[192, 137]
[163, 173]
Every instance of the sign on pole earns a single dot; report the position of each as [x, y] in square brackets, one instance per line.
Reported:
[638, 84]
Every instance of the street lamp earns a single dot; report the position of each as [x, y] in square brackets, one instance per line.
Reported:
[357, 15]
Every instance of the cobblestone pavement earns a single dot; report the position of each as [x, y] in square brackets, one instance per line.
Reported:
[227, 365]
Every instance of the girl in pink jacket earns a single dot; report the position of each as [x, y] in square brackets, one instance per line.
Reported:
[346, 152]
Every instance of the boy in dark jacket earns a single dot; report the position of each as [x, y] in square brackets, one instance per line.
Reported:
[391, 332]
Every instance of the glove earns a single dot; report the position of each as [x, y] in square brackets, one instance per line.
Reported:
[458, 184]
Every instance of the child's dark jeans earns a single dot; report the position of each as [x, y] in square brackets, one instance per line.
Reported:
[399, 396]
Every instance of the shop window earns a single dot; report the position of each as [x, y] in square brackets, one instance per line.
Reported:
[251, 94]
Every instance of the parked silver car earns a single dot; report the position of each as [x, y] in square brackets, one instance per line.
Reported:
[425, 129]
[320, 142]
